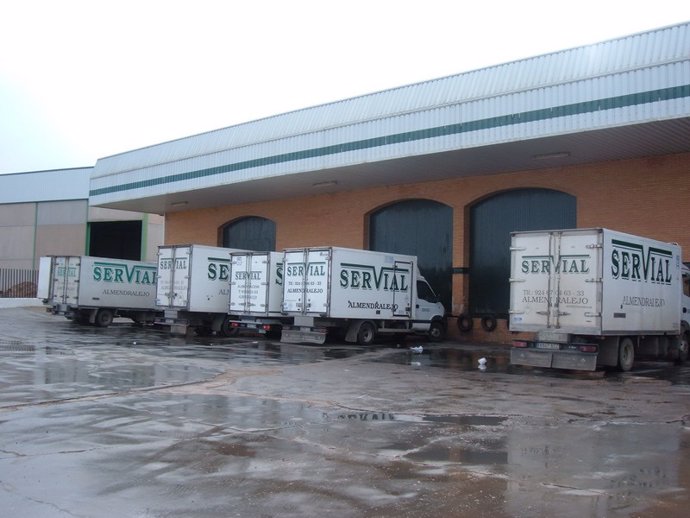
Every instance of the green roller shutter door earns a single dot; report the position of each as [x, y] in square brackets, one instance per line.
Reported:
[250, 233]
[423, 228]
[492, 221]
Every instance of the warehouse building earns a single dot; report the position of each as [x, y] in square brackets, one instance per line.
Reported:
[595, 136]
[48, 213]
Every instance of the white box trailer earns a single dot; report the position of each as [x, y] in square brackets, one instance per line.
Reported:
[192, 288]
[596, 297]
[256, 292]
[359, 293]
[94, 290]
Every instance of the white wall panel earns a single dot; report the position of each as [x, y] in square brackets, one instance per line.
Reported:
[639, 63]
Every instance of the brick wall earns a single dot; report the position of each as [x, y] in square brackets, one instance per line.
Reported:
[646, 196]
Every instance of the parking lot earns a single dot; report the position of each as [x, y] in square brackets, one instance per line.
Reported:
[129, 421]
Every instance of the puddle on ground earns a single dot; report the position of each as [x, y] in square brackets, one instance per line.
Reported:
[499, 362]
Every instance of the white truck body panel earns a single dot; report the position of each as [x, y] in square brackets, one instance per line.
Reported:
[44, 278]
[256, 284]
[193, 278]
[594, 282]
[94, 282]
[333, 282]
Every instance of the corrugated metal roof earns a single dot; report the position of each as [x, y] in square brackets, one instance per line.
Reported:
[658, 47]
[53, 185]
[631, 80]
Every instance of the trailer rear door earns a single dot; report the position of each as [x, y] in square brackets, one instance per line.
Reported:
[172, 281]
[249, 278]
[555, 281]
[66, 274]
[306, 290]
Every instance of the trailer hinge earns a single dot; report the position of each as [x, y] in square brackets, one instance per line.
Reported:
[517, 248]
[597, 245]
[593, 315]
[593, 280]
[517, 280]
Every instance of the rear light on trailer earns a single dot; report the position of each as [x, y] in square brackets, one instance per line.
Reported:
[519, 343]
[235, 324]
[588, 349]
[266, 327]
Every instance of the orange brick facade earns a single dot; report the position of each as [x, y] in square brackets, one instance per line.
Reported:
[646, 196]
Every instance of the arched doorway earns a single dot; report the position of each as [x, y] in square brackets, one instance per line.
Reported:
[491, 222]
[249, 233]
[418, 227]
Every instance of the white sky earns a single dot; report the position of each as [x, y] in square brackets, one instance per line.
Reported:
[84, 79]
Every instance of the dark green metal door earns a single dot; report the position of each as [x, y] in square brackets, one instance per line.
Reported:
[492, 221]
[418, 227]
[250, 233]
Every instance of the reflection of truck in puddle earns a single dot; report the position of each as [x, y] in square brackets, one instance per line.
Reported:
[596, 297]
[585, 471]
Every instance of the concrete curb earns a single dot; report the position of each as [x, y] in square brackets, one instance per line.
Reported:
[19, 303]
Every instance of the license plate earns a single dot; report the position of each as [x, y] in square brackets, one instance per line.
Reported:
[549, 346]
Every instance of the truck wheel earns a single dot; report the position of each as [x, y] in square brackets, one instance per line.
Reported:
[83, 318]
[626, 354]
[366, 333]
[683, 347]
[227, 329]
[437, 331]
[104, 317]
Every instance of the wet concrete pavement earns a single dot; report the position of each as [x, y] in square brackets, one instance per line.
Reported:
[127, 421]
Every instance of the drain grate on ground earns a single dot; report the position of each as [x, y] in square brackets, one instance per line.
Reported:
[16, 346]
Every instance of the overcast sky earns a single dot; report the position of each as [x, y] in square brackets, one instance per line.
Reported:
[84, 79]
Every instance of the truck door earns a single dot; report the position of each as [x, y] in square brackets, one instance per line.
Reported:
[172, 281]
[66, 280]
[258, 283]
[240, 271]
[552, 282]
[45, 278]
[306, 289]
[402, 294]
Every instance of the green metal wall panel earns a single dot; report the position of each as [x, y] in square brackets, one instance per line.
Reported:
[423, 228]
[250, 233]
[492, 221]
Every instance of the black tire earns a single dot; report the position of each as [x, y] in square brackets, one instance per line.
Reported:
[437, 331]
[274, 333]
[83, 318]
[489, 323]
[104, 317]
[626, 354]
[684, 347]
[203, 331]
[226, 328]
[366, 333]
[465, 323]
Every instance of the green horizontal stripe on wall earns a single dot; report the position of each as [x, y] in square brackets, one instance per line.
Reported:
[609, 103]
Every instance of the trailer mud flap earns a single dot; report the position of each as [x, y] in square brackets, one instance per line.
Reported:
[302, 336]
[530, 358]
[554, 360]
